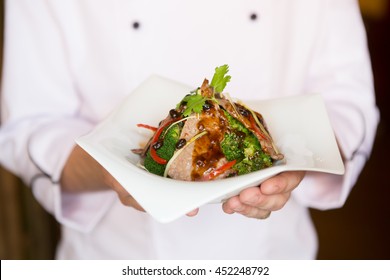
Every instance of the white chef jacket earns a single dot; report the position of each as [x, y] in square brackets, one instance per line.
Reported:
[67, 64]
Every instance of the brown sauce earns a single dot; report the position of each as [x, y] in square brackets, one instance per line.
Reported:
[207, 151]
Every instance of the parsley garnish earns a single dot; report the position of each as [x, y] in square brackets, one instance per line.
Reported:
[195, 104]
[220, 79]
[195, 101]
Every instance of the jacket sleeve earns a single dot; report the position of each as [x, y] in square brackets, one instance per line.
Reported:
[341, 71]
[39, 108]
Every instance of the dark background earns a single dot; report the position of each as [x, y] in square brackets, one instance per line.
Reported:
[359, 230]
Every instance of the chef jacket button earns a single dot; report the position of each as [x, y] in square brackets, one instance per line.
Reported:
[253, 16]
[136, 25]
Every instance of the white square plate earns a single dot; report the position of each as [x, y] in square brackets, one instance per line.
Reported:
[298, 124]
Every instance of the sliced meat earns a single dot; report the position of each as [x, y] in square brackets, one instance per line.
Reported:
[206, 90]
[204, 154]
[181, 167]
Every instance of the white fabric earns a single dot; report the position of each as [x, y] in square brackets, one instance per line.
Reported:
[68, 63]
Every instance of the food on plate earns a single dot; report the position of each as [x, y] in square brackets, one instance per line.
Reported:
[209, 136]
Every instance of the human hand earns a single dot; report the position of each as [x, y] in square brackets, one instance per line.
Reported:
[259, 201]
[83, 173]
[123, 195]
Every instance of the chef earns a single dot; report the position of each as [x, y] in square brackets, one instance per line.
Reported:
[67, 64]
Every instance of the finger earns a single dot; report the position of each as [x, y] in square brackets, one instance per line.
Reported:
[267, 202]
[193, 213]
[246, 210]
[234, 205]
[231, 204]
[123, 195]
[282, 183]
[128, 200]
[253, 212]
[252, 196]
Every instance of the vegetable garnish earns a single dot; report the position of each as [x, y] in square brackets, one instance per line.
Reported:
[195, 101]
[155, 138]
[152, 128]
[208, 136]
[263, 131]
[155, 156]
[219, 170]
[220, 79]
[195, 104]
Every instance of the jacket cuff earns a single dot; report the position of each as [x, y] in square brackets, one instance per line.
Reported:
[49, 148]
[324, 191]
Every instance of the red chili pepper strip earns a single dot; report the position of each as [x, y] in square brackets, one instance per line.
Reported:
[256, 128]
[155, 156]
[152, 128]
[220, 170]
[156, 136]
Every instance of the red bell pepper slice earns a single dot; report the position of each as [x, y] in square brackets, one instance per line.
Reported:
[156, 136]
[256, 129]
[220, 170]
[152, 128]
[156, 157]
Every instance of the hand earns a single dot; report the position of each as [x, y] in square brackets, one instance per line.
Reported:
[125, 197]
[123, 194]
[83, 173]
[258, 202]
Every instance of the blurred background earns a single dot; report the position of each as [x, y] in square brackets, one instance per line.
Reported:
[360, 230]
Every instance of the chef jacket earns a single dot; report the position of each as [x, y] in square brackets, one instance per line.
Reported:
[67, 64]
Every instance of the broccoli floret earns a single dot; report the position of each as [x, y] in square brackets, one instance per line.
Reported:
[251, 145]
[232, 146]
[258, 161]
[166, 151]
[235, 124]
[242, 145]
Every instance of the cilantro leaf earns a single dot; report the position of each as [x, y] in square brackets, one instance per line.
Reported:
[220, 79]
[195, 104]
[195, 100]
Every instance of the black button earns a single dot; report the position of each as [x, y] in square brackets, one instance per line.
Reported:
[253, 16]
[136, 25]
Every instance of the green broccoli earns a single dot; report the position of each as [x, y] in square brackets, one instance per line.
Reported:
[235, 124]
[258, 161]
[166, 151]
[241, 145]
[232, 146]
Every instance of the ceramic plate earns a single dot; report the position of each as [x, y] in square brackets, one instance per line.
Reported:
[298, 124]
